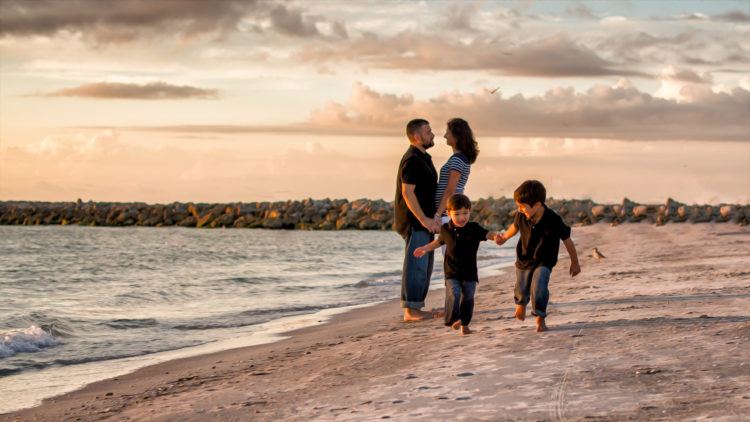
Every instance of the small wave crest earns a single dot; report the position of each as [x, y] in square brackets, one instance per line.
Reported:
[124, 324]
[31, 339]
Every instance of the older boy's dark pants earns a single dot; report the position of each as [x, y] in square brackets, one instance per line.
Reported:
[459, 301]
[531, 285]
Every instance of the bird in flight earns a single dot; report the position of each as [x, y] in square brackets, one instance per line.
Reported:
[491, 91]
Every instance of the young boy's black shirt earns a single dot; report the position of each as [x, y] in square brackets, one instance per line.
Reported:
[540, 243]
[461, 245]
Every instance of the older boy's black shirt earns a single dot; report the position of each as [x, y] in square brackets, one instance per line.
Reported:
[416, 168]
[539, 243]
[461, 245]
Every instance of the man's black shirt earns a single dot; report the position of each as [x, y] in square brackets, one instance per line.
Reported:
[461, 245]
[416, 168]
[539, 243]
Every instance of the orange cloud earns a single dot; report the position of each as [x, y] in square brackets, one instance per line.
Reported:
[128, 91]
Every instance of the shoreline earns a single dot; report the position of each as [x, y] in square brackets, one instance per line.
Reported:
[91, 372]
[657, 330]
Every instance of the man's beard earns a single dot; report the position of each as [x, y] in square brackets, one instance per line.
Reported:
[428, 144]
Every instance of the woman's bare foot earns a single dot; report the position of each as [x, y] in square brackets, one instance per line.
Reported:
[540, 325]
[456, 325]
[411, 315]
[520, 312]
[465, 330]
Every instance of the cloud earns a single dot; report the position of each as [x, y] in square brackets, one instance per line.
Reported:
[131, 91]
[554, 56]
[292, 22]
[122, 20]
[581, 11]
[621, 112]
[125, 21]
[733, 16]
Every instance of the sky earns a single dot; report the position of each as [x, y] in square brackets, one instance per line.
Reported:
[223, 101]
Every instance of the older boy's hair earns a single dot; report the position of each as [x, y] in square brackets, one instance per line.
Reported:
[413, 126]
[530, 192]
[458, 201]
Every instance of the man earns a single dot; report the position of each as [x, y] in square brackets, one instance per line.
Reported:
[413, 219]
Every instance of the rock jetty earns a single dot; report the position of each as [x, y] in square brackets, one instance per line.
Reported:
[341, 214]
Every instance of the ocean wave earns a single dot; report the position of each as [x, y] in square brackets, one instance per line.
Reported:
[124, 324]
[375, 282]
[255, 316]
[25, 340]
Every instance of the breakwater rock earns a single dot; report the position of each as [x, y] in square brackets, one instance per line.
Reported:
[341, 214]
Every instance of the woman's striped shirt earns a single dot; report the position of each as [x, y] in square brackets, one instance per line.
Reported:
[460, 163]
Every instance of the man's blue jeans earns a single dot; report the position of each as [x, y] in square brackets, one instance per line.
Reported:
[532, 285]
[459, 301]
[415, 279]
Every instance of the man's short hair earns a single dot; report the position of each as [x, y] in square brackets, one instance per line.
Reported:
[413, 126]
[457, 202]
[530, 192]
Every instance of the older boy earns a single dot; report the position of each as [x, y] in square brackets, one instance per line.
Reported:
[536, 253]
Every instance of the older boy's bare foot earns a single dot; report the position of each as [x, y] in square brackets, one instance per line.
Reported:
[520, 312]
[540, 325]
[465, 331]
[456, 325]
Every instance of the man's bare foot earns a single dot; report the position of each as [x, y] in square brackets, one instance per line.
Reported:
[540, 325]
[411, 315]
[456, 325]
[520, 312]
[465, 331]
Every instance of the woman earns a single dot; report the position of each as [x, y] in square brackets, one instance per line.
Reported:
[455, 172]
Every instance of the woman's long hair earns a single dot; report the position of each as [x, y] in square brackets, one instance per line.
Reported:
[465, 141]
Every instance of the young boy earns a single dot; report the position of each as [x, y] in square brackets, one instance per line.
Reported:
[461, 239]
[536, 253]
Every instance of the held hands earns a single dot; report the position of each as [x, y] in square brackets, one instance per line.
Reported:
[420, 252]
[575, 269]
[500, 239]
[431, 224]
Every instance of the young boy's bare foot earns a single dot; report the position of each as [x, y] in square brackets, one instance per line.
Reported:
[465, 330]
[456, 325]
[411, 315]
[540, 325]
[520, 312]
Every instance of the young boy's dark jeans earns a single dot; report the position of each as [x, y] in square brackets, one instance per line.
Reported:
[459, 301]
[531, 285]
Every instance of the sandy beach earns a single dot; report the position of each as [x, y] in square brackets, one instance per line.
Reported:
[657, 330]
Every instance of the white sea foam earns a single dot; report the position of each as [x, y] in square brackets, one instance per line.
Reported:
[30, 339]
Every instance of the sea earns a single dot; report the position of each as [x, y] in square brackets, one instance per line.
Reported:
[81, 304]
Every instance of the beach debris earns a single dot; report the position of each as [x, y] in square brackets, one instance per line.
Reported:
[647, 371]
[411, 376]
[465, 374]
[596, 254]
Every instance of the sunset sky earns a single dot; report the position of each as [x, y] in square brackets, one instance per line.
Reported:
[220, 101]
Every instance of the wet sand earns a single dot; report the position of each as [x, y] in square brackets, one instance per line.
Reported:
[657, 330]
